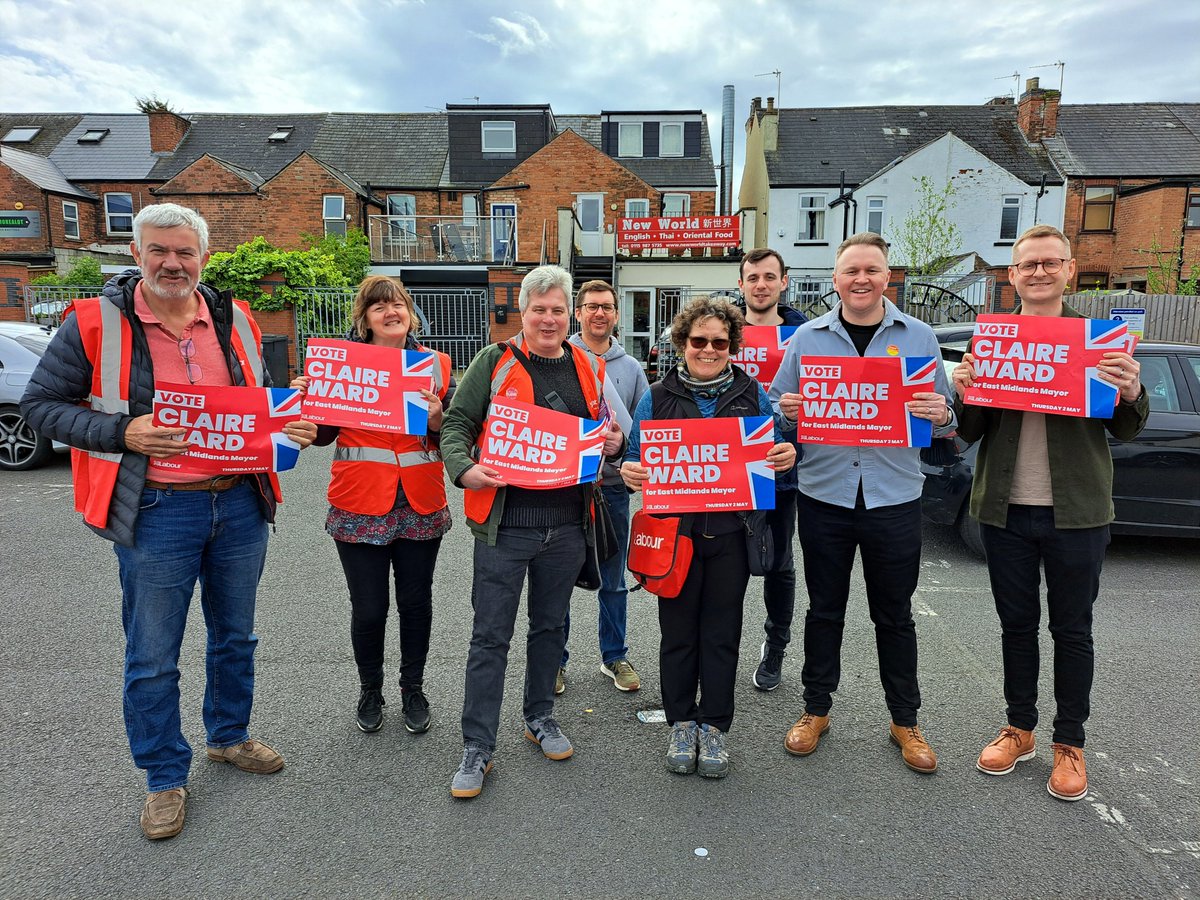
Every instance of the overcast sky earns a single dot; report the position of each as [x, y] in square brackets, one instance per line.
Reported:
[582, 56]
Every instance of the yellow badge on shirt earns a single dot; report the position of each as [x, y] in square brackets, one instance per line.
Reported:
[893, 350]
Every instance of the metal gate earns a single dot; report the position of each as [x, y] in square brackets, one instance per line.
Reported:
[947, 298]
[45, 303]
[454, 321]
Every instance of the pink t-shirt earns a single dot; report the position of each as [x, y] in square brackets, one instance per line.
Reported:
[169, 365]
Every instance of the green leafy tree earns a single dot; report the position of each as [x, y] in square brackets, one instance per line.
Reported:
[1166, 269]
[928, 237]
[84, 272]
[351, 252]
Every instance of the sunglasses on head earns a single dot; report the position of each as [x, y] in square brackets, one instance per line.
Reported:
[699, 343]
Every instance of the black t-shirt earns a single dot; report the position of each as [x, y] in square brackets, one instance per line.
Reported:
[860, 334]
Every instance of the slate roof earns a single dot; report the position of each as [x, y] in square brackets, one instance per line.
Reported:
[242, 140]
[661, 172]
[1127, 139]
[41, 171]
[54, 127]
[815, 144]
[385, 149]
[123, 154]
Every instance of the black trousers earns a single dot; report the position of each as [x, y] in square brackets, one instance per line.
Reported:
[701, 631]
[889, 541]
[779, 586]
[1072, 559]
[367, 568]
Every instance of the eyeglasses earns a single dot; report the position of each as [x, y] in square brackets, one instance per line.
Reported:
[600, 307]
[187, 349]
[1050, 266]
[699, 343]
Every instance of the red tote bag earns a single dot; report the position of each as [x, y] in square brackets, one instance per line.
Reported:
[659, 556]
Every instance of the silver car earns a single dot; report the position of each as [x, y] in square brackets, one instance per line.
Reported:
[21, 347]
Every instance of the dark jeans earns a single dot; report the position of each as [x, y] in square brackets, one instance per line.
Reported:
[701, 631]
[889, 540]
[779, 586]
[367, 568]
[552, 557]
[613, 594]
[1072, 559]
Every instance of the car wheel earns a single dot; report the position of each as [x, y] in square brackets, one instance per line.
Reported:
[968, 530]
[20, 446]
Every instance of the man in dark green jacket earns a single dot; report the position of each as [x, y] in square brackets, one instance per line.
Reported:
[1043, 497]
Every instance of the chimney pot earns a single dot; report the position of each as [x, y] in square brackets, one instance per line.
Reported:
[770, 103]
[1031, 84]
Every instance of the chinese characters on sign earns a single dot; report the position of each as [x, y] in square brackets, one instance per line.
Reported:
[665, 233]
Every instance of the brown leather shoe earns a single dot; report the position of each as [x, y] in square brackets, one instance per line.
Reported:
[162, 816]
[1002, 755]
[1068, 778]
[917, 753]
[803, 737]
[249, 756]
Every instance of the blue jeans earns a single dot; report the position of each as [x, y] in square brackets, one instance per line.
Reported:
[613, 594]
[183, 537]
[552, 557]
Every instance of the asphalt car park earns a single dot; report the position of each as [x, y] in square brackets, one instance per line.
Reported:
[1156, 476]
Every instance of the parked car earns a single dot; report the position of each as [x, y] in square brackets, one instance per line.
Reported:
[661, 356]
[1156, 477]
[21, 346]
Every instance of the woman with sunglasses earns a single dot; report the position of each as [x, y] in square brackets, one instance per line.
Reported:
[388, 513]
[702, 627]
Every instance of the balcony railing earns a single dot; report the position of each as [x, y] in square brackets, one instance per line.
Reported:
[430, 239]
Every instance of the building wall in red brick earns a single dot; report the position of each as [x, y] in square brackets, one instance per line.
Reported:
[504, 286]
[14, 189]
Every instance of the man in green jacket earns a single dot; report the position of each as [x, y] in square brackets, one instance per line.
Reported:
[1043, 497]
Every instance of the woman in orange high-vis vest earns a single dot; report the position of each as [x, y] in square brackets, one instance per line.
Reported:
[387, 515]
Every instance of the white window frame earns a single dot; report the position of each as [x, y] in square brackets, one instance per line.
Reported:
[637, 208]
[498, 129]
[340, 219]
[629, 146]
[109, 215]
[404, 229]
[810, 218]
[686, 205]
[876, 206]
[1010, 202]
[662, 138]
[70, 217]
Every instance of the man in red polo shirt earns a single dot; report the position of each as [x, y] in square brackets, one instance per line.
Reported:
[94, 390]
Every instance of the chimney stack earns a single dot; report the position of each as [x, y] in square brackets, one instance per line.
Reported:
[770, 126]
[166, 130]
[1037, 111]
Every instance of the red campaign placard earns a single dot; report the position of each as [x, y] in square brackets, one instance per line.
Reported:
[1045, 364]
[232, 430]
[363, 386]
[854, 401]
[762, 351]
[666, 233]
[708, 465]
[534, 447]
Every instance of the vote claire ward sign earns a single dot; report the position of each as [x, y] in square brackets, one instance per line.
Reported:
[678, 233]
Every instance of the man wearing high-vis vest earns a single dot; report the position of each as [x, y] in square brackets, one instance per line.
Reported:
[94, 390]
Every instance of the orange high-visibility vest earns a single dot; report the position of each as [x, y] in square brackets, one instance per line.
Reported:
[107, 339]
[511, 381]
[367, 464]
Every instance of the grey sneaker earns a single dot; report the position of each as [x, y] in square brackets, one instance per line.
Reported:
[713, 758]
[546, 734]
[468, 780]
[681, 748]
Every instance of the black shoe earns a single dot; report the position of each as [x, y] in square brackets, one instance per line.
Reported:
[416, 711]
[770, 670]
[370, 709]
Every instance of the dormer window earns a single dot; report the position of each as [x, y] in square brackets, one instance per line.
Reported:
[670, 139]
[281, 133]
[22, 134]
[629, 139]
[499, 137]
[93, 136]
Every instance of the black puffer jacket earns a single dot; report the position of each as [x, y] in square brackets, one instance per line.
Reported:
[62, 382]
